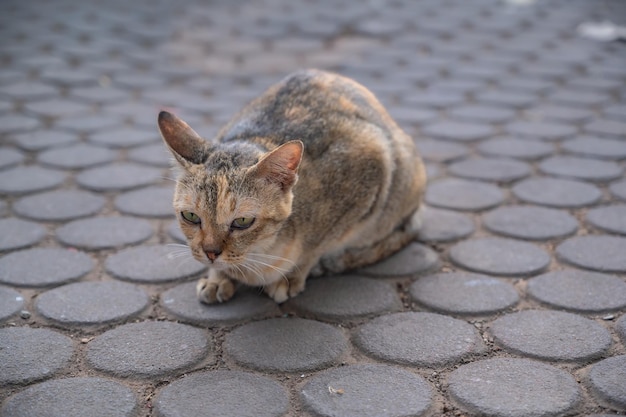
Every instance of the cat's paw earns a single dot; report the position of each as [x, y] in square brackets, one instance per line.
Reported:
[278, 291]
[215, 290]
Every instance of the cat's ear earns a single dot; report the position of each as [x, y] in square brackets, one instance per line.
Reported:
[280, 166]
[186, 145]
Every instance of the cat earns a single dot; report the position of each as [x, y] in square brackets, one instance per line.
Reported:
[313, 176]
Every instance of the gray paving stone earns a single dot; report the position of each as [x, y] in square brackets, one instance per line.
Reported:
[29, 355]
[499, 256]
[529, 222]
[76, 156]
[29, 179]
[458, 131]
[615, 112]
[286, 345]
[515, 148]
[152, 264]
[148, 202]
[28, 90]
[413, 259]
[11, 302]
[156, 155]
[593, 83]
[436, 99]
[182, 302]
[596, 147]
[73, 397]
[599, 253]
[556, 192]
[511, 387]
[559, 113]
[579, 291]
[38, 140]
[490, 169]
[59, 205]
[507, 98]
[444, 225]
[606, 380]
[173, 230]
[118, 176]
[40, 267]
[551, 335]
[224, 393]
[527, 85]
[123, 137]
[579, 98]
[367, 390]
[610, 218]
[10, 157]
[13, 123]
[449, 340]
[148, 349]
[463, 293]
[482, 113]
[441, 151]
[17, 234]
[104, 232]
[611, 128]
[56, 107]
[465, 195]
[620, 327]
[100, 95]
[541, 130]
[618, 189]
[89, 123]
[4, 208]
[581, 168]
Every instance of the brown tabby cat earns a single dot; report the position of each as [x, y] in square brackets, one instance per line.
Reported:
[311, 177]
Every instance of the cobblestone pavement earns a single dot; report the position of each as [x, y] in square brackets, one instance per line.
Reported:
[512, 304]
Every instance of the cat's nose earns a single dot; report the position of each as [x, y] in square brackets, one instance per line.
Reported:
[212, 254]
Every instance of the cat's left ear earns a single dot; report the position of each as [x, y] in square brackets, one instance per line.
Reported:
[186, 145]
[280, 166]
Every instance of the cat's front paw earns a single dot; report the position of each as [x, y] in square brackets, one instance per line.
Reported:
[282, 290]
[215, 289]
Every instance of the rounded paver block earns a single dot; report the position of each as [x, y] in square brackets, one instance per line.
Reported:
[413, 259]
[29, 354]
[88, 123]
[565, 114]
[515, 148]
[580, 291]
[581, 168]
[182, 302]
[155, 263]
[92, 303]
[17, 234]
[556, 192]
[104, 232]
[440, 151]
[551, 335]
[606, 379]
[611, 219]
[156, 155]
[342, 297]
[224, 393]
[579, 98]
[367, 390]
[508, 387]
[600, 253]
[478, 113]
[444, 226]
[10, 157]
[175, 233]
[596, 147]
[118, 176]
[541, 130]
[286, 345]
[29, 179]
[449, 340]
[43, 139]
[620, 327]
[148, 202]
[148, 349]
[612, 128]
[528, 222]
[458, 131]
[618, 189]
[11, 123]
[73, 397]
[76, 156]
[11, 302]
[40, 267]
[463, 293]
[59, 205]
[490, 169]
[458, 194]
[514, 99]
[499, 256]
[123, 137]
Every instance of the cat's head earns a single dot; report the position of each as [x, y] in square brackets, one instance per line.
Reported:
[231, 198]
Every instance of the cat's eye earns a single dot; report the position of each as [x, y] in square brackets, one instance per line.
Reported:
[241, 223]
[190, 217]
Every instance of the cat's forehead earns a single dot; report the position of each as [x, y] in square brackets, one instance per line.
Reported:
[230, 156]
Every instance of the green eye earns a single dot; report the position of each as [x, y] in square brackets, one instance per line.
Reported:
[190, 217]
[242, 223]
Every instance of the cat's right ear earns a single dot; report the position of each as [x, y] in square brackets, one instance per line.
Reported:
[185, 144]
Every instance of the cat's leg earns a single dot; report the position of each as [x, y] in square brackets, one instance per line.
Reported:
[215, 288]
[291, 285]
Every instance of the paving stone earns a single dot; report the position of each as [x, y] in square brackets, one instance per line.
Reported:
[620, 327]
[28, 90]
[513, 99]
[459, 194]
[482, 114]
[4, 208]
[606, 379]
[29, 179]
[593, 83]
[581, 168]
[89, 123]
[565, 114]
[173, 230]
[17, 234]
[515, 148]
[449, 340]
[529, 222]
[59, 205]
[596, 147]
[152, 264]
[534, 333]
[610, 218]
[413, 259]
[599, 253]
[29, 355]
[439, 151]
[10, 157]
[100, 95]
[73, 397]
[123, 137]
[556, 192]
[156, 155]
[40, 267]
[225, 393]
[463, 293]
[56, 107]
[149, 202]
[527, 85]
[38, 140]
[612, 128]
[579, 291]
[91, 303]
[285, 345]
[182, 302]
[618, 189]
[76, 156]
[104, 232]
[437, 99]
[579, 98]
[458, 131]
[11, 302]
[499, 256]
[541, 130]
[511, 387]
[13, 123]
[130, 351]
[490, 169]
[444, 226]
[615, 112]
[118, 176]
[367, 390]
